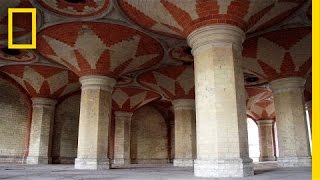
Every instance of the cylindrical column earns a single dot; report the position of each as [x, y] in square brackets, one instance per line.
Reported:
[266, 140]
[122, 138]
[95, 115]
[184, 131]
[292, 131]
[222, 137]
[41, 131]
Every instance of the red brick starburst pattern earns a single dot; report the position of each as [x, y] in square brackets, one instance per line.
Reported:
[130, 99]
[174, 82]
[84, 8]
[181, 17]
[96, 48]
[43, 81]
[21, 21]
[23, 56]
[260, 104]
[181, 54]
[279, 54]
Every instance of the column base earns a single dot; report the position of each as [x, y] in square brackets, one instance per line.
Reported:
[294, 162]
[39, 160]
[121, 162]
[94, 164]
[183, 162]
[223, 168]
[267, 158]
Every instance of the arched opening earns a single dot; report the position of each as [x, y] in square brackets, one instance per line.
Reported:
[253, 140]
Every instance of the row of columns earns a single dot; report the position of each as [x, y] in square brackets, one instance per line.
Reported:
[219, 144]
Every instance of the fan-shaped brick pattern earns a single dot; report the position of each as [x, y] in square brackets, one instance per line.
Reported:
[43, 81]
[21, 21]
[72, 8]
[174, 82]
[129, 99]
[260, 105]
[179, 18]
[96, 48]
[16, 55]
[279, 54]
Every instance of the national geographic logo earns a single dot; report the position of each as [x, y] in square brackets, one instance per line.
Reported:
[11, 12]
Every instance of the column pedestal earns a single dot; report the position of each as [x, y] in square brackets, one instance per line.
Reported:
[185, 134]
[95, 114]
[222, 137]
[122, 138]
[41, 131]
[266, 140]
[292, 131]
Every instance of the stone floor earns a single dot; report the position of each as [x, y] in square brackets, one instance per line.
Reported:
[263, 171]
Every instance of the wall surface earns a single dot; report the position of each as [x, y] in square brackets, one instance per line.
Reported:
[65, 134]
[149, 137]
[14, 121]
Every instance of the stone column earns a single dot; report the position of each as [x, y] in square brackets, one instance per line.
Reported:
[292, 131]
[266, 142]
[222, 137]
[122, 138]
[95, 117]
[309, 109]
[41, 131]
[184, 130]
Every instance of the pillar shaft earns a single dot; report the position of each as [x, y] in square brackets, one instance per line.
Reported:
[266, 140]
[95, 114]
[185, 135]
[41, 131]
[222, 143]
[291, 122]
[122, 138]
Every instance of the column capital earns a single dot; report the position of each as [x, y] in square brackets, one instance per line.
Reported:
[216, 34]
[265, 122]
[97, 82]
[39, 101]
[287, 84]
[123, 114]
[186, 104]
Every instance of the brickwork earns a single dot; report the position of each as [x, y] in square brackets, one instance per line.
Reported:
[65, 130]
[179, 19]
[14, 120]
[149, 143]
[294, 149]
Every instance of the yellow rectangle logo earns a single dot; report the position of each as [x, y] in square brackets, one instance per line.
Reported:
[33, 12]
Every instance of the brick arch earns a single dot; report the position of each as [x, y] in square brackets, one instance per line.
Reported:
[99, 48]
[22, 56]
[260, 104]
[177, 18]
[43, 81]
[21, 21]
[279, 54]
[129, 99]
[24, 94]
[87, 8]
[173, 82]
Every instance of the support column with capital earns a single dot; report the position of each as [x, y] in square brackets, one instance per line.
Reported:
[41, 131]
[266, 140]
[95, 115]
[292, 132]
[185, 135]
[222, 138]
[122, 138]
